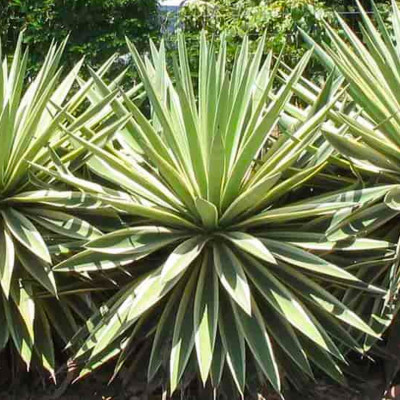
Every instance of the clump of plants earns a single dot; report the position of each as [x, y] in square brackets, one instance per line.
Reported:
[238, 234]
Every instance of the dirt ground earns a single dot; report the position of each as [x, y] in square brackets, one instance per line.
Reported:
[88, 391]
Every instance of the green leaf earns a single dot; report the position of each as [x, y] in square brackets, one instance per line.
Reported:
[183, 337]
[208, 213]
[252, 245]
[182, 257]
[142, 239]
[324, 361]
[7, 260]
[289, 213]
[250, 198]
[322, 298]
[218, 362]
[165, 326]
[64, 224]
[287, 305]
[44, 342]
[20, 313]
[91, 260]
[392, 199]
[138, 297]
[359, 151]
[4, 331]
[67, 199]
[308, 261]
[206, 308]
[257, 337]
[232, 276]
[233, 342]
[286, 337]
[26, 233]
[39, 269]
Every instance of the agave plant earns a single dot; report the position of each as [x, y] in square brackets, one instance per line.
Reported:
[370, 68]
[370, 137]
[241, 268]
[33, 229]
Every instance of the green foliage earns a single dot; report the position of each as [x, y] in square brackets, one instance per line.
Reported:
[97, 28]
[236, 18]
[243, 219]
[371, 69]
[364, 130]
[38, 219]
[242, 266]
[280, 19]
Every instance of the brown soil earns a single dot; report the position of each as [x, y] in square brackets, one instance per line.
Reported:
[94, 391]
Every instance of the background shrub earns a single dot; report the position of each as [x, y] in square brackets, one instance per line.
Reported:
[279, 18]
[97, 27]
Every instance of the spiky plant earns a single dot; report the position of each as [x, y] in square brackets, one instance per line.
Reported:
[370, 66]
[33, 229]
[369, 137]
[241, 268]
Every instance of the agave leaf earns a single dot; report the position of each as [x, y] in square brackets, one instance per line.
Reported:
[233, 342]
[289, 213]
[206, 308]
[208, 213]
[182, 257]
[324, 361]
[252, 245]
[54, 198]
[63, 224]
[100, 359]
[44, 342]
[259, 342]
[61, 318]
[357, 196]
[135, 240]
[232, 276]
[218, 362]
[316, 241]
[137, 175]
[7, 260]
[250, 198]
[26, 233]
[252, 145]
[4, 331]
[286, 336]
[172, 138]
[361, 222]
[392, 199]
[143, 296]
[164, 327]
[216, 167]
[318, 50]
[90, 260]
[308, 261]
[183, 337]
[37, 268]
[338, 331]
[355, 150]
[120, 201]
[324, 299]
[20, 319]
[287, 305]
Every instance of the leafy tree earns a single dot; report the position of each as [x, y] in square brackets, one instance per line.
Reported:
[97, 27]
[280, 19]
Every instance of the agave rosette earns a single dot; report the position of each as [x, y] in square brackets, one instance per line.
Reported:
[38, 218]
[241, 265]
[369, 137]
[370, 68]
